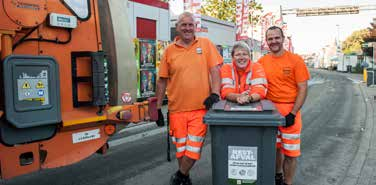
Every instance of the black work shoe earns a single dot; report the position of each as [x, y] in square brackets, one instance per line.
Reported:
[279, 179]
[175, 180]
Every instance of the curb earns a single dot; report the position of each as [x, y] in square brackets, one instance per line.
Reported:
[359, 173]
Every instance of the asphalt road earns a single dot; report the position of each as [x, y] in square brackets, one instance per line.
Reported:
[334, 118]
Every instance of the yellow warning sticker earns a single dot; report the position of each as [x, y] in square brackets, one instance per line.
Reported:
[40, 85]
[26, 85]
[35, 99]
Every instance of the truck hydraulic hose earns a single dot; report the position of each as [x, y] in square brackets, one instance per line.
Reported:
[41, 39]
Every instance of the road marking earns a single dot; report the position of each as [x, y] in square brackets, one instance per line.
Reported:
[354, 80]
[136, 137]
[315, 81]
[134, 126]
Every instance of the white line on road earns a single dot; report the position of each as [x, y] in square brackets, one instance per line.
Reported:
[137, 126]
[314, 81]
[136, 137]
[354, 80]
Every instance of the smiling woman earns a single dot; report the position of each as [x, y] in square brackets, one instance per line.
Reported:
[241, 55]
[242, 81]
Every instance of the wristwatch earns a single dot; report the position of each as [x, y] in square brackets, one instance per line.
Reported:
[250, 98]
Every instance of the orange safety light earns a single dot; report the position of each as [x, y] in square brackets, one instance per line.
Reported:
[109, 129]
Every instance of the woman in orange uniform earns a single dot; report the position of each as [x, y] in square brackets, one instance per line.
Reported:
[243, 81]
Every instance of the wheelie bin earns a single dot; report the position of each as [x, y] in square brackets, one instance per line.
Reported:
[243, 142]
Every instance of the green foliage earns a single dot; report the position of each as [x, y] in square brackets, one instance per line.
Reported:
[226, 10]
[353, 43]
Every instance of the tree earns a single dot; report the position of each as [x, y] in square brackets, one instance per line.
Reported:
[353, 43]
[226, 10]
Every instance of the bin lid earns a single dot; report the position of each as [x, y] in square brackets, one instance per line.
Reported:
[261, 113]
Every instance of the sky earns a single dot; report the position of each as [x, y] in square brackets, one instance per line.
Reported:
[310, 34]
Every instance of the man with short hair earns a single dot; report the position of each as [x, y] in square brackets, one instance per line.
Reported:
[287, 77]
[189, 70]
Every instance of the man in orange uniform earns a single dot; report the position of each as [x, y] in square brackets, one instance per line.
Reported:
[287, 88]
[190, 70]
[243, 81]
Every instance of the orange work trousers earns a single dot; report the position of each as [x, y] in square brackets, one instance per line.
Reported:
[288, 138]
[188, 132]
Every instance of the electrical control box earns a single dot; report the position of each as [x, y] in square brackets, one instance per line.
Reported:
[32, 91]
[63, 21]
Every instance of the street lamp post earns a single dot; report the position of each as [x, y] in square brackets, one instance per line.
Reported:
[339, 49]
[338, 34]
[373, 53]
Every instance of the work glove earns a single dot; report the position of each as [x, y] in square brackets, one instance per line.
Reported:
[209, 101]
[290, 119]
[160, 122]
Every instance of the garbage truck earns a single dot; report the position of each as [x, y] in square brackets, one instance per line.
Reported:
[68, 80]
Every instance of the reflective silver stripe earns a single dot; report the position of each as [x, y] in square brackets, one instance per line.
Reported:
[249, 76]
[229, 86]
[258, 81]
[179, 140]
[195, 138]
[291, 136]
[227, 81]
[193, 149]
[233, 73]
[278, 140]
[258, 85]
[180, 149]
[291, 146]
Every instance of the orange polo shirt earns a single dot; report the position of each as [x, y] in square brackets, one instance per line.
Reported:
[187, 70]
[283, 73]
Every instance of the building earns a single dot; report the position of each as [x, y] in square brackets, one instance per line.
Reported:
[150, 30]
[328, 56]
[149, 19]
[221, 33]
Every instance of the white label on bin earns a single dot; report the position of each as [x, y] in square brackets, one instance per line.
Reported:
[242, 164]
[85, 136]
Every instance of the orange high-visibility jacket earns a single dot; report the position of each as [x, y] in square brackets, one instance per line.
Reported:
[253, 80]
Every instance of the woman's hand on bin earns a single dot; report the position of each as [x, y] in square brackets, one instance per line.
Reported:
[242, 99]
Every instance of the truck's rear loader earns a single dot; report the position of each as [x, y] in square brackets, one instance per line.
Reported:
[66, 66]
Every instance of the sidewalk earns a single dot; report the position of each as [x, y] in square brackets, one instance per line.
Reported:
[363, 167]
